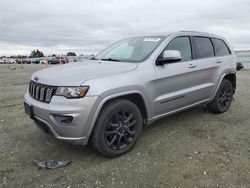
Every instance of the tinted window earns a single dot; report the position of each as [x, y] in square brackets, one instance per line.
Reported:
[181, 44]
[220, 47]
[203, 47]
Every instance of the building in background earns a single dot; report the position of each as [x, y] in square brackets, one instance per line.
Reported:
[243, 56]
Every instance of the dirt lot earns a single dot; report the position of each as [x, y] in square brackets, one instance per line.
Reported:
[194, 148]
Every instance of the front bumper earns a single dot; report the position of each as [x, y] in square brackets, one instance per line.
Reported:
[82, 110]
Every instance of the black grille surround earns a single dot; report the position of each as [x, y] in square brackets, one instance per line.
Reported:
[41, 92]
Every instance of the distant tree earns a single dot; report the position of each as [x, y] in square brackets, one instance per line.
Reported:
[36, 53]
[71, 54]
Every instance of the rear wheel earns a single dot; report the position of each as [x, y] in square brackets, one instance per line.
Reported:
[223, 98]
[117, 128]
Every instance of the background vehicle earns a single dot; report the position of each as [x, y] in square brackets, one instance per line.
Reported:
[134, 82]
[42, 61]
[23, 61]
[7, 61]
[2, 61]
[58, 60]
[36, 61]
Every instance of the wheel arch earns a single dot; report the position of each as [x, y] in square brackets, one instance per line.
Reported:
[217, 107]
[232, 78]
[134, 96]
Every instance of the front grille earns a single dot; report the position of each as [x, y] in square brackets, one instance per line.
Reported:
[41, 92]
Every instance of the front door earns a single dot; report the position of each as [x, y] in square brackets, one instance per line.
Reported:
[179, 84]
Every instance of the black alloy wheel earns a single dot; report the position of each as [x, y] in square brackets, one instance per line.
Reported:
[117, 128]
[223, 98]
[120, 129]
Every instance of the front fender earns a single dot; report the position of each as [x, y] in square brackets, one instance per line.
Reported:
[112, 94]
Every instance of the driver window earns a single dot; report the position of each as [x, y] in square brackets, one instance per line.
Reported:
[181, 44]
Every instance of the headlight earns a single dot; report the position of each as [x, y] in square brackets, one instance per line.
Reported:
[72, 92]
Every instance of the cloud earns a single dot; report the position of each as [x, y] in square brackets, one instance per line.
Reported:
[88, 26]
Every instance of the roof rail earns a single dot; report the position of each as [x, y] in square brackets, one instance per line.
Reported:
[194, 31]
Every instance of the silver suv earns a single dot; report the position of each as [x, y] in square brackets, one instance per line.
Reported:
[108, 99]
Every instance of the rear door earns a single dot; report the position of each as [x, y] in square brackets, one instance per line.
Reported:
[208, 64]
[223, 53]
[225, 59]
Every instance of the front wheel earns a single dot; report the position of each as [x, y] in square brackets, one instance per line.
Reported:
[117, 128]
[223, 98]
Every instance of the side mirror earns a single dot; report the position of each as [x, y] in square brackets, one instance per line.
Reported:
[169, 56]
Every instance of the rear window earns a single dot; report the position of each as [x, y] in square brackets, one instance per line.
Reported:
[220, 47]
[203, 47]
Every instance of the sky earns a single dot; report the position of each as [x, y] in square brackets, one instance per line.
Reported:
[88, 26]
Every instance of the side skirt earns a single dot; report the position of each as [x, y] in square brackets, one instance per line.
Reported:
[175, 111]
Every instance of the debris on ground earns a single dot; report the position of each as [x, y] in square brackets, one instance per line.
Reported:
[51, 164]
[12, 68]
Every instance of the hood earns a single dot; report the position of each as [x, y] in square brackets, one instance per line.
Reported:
[75, 74]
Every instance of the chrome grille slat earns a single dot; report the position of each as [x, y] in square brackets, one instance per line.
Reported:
[41, 97]
[30, 86]
[48, 95]
[41, 92]
[33, 90]
[37, 92]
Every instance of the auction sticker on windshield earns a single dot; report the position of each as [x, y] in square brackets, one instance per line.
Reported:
[152, 39]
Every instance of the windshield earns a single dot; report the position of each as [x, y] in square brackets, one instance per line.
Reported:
[130, 50]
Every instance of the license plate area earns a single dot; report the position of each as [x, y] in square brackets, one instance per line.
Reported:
[29, 110]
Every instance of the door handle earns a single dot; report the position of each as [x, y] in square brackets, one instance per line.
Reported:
[218, 61]
[192, 66]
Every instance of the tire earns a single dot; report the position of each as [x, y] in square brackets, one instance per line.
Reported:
[223, 98]
[117, 128]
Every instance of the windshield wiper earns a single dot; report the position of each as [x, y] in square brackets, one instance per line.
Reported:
[110, 59]
[93, 58]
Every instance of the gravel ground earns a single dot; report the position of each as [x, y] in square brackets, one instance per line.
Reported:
[194, 148]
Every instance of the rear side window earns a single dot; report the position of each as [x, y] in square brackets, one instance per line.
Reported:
[203, 47]
[181, 44]
[220, 47]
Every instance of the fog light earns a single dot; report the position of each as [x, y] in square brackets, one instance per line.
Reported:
[63, 119]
